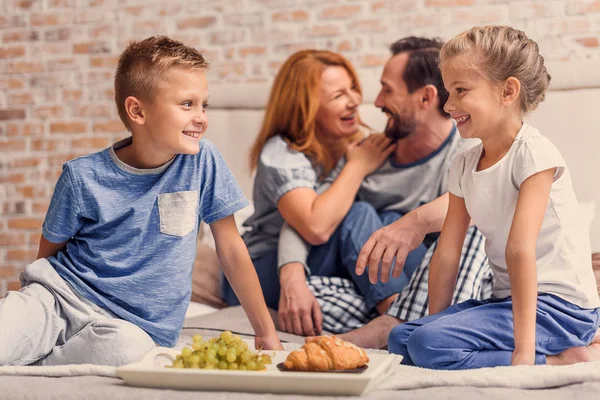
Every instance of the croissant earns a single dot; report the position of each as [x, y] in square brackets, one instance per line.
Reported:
[326, 353]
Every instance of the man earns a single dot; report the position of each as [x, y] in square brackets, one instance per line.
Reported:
[414, 183]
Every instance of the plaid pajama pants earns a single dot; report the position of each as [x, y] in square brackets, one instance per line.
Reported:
[344, 309]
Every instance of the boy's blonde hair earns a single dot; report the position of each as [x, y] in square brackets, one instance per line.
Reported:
[500, 52]
[143, 64]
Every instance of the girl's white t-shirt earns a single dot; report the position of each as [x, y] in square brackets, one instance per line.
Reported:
[563, 252]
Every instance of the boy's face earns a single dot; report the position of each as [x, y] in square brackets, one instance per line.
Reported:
[176, 116]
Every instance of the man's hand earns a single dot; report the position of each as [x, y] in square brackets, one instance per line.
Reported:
[299, 310]
[394, 240]
[269, 342]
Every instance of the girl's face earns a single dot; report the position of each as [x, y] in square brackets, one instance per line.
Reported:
[337, 116]
[473, 102]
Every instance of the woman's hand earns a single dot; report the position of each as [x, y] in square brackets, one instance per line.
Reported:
[370, 153]
[299, 311]
[269, 342]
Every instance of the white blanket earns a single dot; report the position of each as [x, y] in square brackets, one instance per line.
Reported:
[59, 370]
[400, 378]
[522, 377]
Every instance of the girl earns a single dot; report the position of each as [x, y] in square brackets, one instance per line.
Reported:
[517, 189]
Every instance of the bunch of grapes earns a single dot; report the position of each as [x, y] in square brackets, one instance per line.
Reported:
[228, 351]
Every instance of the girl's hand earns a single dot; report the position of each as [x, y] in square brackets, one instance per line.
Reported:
[521, 357]
[370, 153]
[269, 342]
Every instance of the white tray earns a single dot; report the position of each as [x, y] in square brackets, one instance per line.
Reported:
[151, 372]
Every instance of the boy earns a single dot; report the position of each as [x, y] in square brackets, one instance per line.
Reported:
[113, 275]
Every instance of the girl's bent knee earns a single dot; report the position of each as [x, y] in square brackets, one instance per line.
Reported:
[397, 339]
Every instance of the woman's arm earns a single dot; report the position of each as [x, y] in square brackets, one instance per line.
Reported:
[443, 270]
[238, 268]
[316, 216]
[521, 261]
[49, 249]
[299, 311]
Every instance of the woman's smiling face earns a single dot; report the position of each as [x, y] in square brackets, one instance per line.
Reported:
[337, 115]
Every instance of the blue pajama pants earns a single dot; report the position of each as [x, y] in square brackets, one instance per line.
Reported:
[337, 258]
[479, 333]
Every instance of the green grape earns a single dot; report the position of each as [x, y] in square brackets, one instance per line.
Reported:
[210, 358]
[246, 357]
[228, 351]
[197, 346]
[186, 352]
[222, 351]
[231, 356]
[226, 335]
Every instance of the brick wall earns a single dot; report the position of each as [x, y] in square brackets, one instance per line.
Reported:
[57, 59]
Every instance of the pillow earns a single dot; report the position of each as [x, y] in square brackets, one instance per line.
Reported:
[596, 267]
[206, 277]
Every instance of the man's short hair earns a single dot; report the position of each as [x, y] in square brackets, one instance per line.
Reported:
[142, 65]
[422, 67]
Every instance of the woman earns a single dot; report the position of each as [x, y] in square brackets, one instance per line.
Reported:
[311, 121]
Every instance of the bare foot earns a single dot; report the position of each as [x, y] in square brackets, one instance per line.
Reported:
[577, 354]
[374, 335]
[383, 305]
[594, 347]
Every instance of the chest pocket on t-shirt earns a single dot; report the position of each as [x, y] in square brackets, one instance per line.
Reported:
[177, 212]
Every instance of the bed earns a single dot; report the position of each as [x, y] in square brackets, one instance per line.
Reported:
[568, 117]
[102, 387]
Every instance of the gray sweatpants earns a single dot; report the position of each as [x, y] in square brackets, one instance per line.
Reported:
[46, 323]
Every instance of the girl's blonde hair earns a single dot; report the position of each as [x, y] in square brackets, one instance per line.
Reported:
[293, 103]
[500, 52]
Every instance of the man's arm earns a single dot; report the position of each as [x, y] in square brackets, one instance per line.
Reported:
[401, 237]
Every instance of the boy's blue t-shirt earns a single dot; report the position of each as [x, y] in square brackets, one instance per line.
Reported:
[132, 233]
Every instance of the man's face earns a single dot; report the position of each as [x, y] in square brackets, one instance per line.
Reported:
[395, 100]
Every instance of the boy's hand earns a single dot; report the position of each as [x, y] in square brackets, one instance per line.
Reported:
[269, 342]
